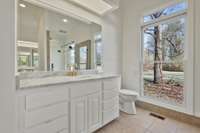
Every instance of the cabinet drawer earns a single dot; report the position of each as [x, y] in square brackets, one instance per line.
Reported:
[110, 115]
[46, 98]
[108, 94]
[112, 103]
[84, 88]
[57, 126]
[112, 84]
[45, 114]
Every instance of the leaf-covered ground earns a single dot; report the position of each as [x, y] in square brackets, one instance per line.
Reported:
[170, 89]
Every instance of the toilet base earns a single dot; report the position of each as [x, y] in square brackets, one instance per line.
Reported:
[128, 107]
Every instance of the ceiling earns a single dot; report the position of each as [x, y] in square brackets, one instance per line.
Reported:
[32, 17]
[98, 6]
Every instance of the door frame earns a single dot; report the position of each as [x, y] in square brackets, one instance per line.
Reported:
[77, 53]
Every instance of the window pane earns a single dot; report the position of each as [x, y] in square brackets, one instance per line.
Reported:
[167, 11]
[70, 55]
[99, 50]
[172, 39]
[163, 67]
[170, 89]
[149, 45]
[35, 59]
[83, 54]
[23, 60]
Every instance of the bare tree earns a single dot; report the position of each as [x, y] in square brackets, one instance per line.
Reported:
[155, 33]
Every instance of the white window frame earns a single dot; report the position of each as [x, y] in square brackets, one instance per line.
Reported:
[188, 61]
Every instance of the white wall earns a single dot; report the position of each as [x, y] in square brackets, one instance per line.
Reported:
[112, 42]
[197, 58]
[7, 66]
[132, 13]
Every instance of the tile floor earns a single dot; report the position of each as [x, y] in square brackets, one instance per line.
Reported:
[144, 123]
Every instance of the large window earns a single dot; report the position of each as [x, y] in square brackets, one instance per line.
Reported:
[163, 54]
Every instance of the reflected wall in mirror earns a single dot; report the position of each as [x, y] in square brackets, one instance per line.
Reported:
[50, 41]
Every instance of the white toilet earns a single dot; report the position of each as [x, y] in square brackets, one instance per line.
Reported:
[127, 100]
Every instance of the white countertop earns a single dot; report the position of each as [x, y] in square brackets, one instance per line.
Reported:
[54, 80]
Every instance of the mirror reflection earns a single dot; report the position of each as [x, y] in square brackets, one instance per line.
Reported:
[50, 41]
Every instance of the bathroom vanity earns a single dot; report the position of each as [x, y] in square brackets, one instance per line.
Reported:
[62, 104]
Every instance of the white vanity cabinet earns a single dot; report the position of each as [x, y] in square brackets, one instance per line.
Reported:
[75, 107]
[94, 111]
[79, 115]
[44, 110]
[110, 100]
[86, 111]
[86, 114]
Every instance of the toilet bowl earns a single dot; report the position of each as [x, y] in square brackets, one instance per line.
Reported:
[127, 100]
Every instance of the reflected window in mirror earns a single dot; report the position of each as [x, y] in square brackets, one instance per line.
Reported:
[35, 59]
[70, 54]
[99, 50]
[83, 57]
[24, 59]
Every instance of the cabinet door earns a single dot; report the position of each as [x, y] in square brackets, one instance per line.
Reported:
[79, 115]
[94, 112]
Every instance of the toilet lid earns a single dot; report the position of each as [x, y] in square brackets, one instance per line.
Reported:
[128, 92]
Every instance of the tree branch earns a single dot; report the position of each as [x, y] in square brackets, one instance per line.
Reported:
[172, 44]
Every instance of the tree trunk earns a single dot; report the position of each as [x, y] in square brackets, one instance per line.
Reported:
[157, 56]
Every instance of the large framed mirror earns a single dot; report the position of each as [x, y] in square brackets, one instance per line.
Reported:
[51, 41]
